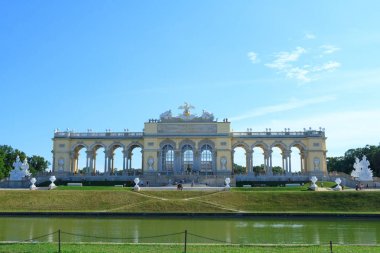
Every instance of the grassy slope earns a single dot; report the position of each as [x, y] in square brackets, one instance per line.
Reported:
[123, 200]
[113, 248]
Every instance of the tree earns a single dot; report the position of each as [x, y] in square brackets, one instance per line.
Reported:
[345, 163]
[8, 157]
[238, 169]
[2, 165]
[259, 170]
[277, 170]
[37, 164]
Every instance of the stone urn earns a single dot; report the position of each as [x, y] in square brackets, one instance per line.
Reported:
[338, 187]
[227, 182]
[33, 180]
[136, 187]
[313, 186]
[52, 185]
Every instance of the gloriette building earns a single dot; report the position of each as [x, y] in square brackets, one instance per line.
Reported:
[186, 145]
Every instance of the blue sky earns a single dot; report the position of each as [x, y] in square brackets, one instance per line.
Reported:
[262, 64]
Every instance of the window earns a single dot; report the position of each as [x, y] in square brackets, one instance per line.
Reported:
[206, 158]
[188, 157]
[167, 158]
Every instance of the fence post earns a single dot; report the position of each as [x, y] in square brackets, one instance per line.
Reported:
[331, 247]
[185, 240]
[59, 240]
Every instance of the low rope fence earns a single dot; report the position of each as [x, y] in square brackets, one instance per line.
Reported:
[59, 235]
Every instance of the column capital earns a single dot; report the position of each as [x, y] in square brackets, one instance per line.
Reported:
[90, 154]
[286, 153]
[249, 152]
[267, 153]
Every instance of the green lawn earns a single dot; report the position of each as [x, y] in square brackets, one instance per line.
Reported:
[176, 248]
[114, 199]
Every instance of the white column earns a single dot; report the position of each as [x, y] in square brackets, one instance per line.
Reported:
[283, 162]
[109, 165]
[249, 161]
[270, 159]
[87, 159]
[72, 163]
[142, 161]
[105, 164]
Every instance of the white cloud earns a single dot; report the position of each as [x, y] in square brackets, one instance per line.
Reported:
[253, 57]
[287, 63]
[291, 105]
[299, 74]
[310, 36]
[283, 59]
[329, 49]
[328, 66]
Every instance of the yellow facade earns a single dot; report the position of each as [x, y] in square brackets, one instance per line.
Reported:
[189, 144]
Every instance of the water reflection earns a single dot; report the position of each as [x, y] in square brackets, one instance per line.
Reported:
[241, 231]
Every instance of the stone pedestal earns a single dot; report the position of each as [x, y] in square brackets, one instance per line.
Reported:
[16, 183]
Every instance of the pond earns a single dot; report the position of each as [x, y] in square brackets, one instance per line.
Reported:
[199, 230]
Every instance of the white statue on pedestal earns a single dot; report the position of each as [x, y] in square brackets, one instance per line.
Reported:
[137, 181]
[21, 170]
[361, 170]
[338, 187]
[313, 186]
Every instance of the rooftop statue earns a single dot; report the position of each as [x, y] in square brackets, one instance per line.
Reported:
[361, 170]
[186, 109]
[186, 115]
[166, 115]
[207, 115]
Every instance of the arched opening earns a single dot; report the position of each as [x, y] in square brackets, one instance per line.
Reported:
[117, 162]
[79, 160]
[135, 160]
[187, 158]
[100, 158]
[296, 160]
[258, 161]
[167, 159]
[277, 161]
[206, 159]
[239, 161]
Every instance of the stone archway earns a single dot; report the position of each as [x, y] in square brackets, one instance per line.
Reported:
[244, 152]
[134, 153]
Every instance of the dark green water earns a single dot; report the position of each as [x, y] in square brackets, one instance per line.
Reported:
[242, 231]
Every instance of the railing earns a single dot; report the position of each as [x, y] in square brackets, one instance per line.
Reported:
[71, 134]
[309, 133]
[110, 135]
